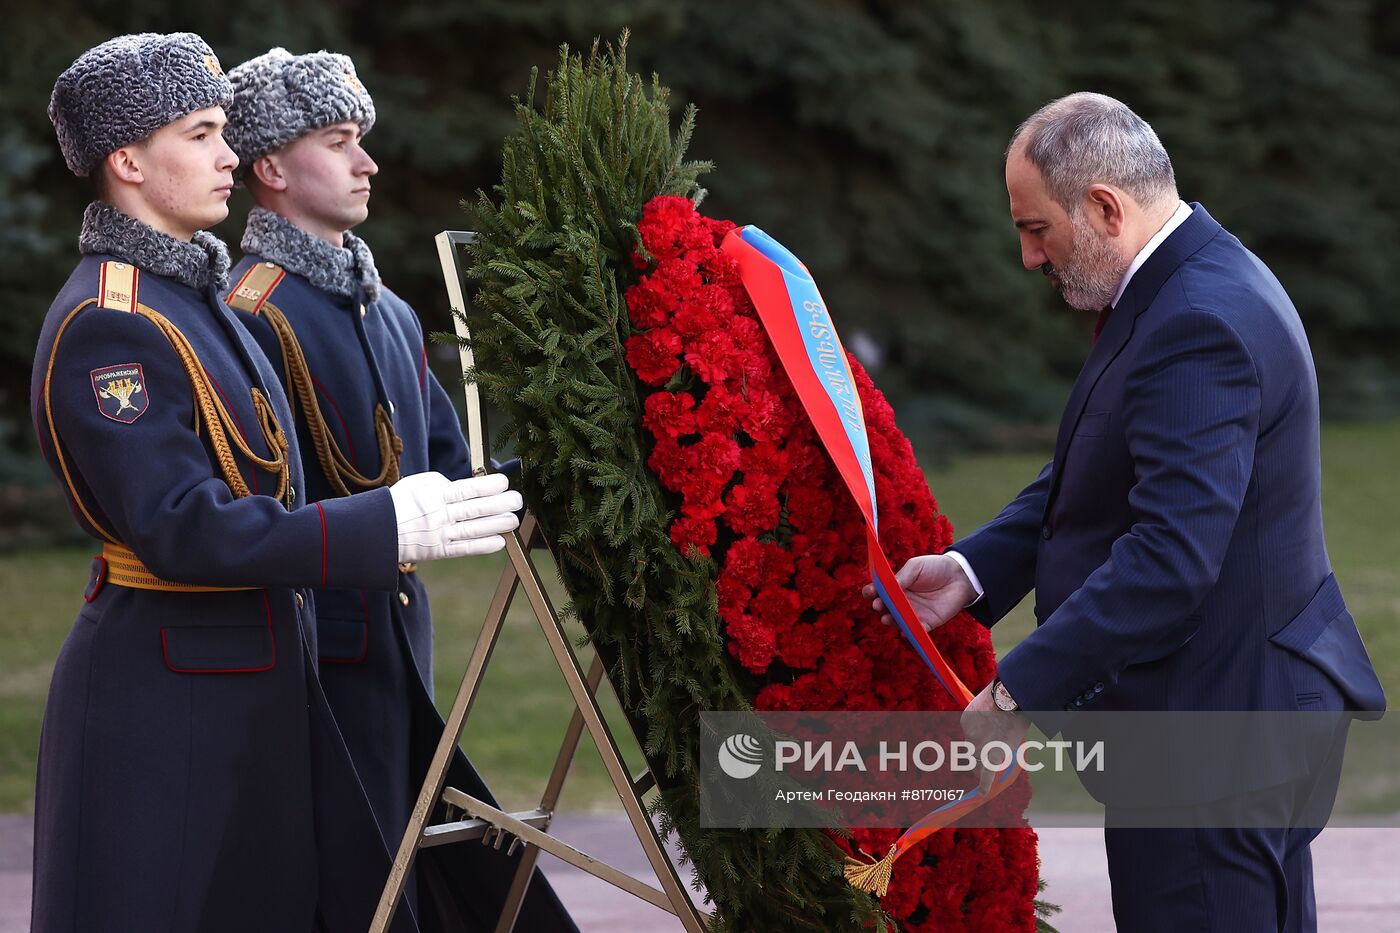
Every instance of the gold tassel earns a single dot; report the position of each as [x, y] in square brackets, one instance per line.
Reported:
[871, 876]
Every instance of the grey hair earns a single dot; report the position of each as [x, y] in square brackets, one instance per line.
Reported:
[1084, 139]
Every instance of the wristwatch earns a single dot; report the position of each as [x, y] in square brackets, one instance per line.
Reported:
[1003, 698]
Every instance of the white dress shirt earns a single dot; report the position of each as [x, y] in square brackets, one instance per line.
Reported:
[1178, 217]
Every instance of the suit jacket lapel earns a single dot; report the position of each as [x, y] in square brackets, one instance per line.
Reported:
[1195, 232]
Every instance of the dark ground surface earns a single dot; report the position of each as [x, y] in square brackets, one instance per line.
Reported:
[1355, 877]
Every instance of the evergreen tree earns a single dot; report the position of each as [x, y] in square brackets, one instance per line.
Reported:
[869, 136]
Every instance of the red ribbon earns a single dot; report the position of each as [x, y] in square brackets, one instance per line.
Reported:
[800, 328]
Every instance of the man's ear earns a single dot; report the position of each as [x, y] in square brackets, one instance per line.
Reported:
[269, 173]
[1106, 209]
[124, 165]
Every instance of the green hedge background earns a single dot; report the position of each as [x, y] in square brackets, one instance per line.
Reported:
[867, 135]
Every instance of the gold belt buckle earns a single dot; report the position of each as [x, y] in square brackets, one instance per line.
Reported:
[408, 567]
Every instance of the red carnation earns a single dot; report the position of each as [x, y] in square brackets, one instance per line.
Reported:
[753, 505]
[647, 305]
[721, 410]
[670, 226]
[653, 355]
[752, 643]
[712, 355]
[669, 414]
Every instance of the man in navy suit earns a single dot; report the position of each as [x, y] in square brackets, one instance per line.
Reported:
[1175, 541]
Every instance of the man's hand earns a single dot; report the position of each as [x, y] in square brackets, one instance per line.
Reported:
[935, 585]
[438, 517]
[982, 723]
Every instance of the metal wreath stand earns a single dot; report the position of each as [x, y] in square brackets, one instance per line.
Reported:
[530, 827]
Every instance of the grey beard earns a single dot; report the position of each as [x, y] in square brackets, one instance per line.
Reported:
[1090, 279]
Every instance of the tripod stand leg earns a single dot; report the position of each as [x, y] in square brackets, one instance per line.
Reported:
[587, 705]
[451, 735]
[567, 749]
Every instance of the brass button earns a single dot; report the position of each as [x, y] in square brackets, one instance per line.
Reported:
[403, 598]
[300, 601]
[391, 406]
[270, 265]
[363, 311]
[292, 494]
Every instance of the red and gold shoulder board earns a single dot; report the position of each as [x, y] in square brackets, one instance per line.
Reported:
[255, 287]
[117, 286]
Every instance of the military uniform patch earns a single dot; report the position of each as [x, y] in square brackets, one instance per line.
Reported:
[121, 392]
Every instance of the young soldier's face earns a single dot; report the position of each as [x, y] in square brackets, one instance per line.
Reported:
[327, 173]
[186, 172]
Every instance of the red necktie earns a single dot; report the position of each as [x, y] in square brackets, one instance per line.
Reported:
[1103, 319]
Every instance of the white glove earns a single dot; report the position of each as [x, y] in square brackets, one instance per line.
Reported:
[439, 517]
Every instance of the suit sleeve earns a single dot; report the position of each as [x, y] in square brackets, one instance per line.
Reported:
[1003, 551]
[1191, 416]
[165, 499]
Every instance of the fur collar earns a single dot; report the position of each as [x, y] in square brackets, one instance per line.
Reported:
[199, 263]
[337, 270]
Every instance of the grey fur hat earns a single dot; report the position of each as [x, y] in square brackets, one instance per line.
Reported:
[125, 89]
[279, 97]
